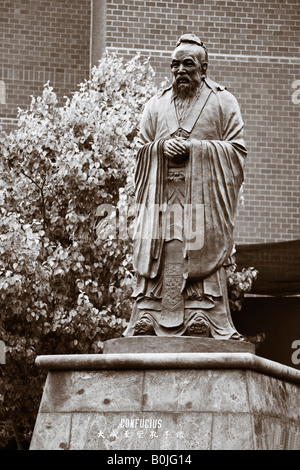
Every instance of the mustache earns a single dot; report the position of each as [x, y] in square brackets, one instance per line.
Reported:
[183, 78]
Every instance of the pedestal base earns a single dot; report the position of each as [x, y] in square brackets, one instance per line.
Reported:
[168, 401]
[174, 344]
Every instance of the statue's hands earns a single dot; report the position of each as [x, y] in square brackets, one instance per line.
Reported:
[176, 147]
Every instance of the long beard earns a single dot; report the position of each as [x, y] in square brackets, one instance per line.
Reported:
[186, 97]
[186, 90]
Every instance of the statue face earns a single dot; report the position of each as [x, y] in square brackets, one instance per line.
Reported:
[186, 68]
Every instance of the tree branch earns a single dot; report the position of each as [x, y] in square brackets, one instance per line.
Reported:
[17, 435]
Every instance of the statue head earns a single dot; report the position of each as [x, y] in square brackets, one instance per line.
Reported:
[189, 65]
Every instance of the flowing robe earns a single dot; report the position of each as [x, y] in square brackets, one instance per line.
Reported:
[213, 177]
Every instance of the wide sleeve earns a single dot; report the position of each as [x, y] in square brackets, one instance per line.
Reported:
[232, 132]
[215, 175]
[148, 122]
[149, 196]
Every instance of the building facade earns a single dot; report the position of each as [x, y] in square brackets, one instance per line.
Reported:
[41, 41]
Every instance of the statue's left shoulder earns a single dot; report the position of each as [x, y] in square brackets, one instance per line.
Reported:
[227, 101]
[214, 85]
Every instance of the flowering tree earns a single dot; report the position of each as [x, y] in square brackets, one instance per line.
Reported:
[62, 288]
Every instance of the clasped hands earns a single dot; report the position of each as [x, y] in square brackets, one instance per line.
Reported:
[176, 147]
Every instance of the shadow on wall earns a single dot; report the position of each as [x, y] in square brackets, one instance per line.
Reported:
[278, 318]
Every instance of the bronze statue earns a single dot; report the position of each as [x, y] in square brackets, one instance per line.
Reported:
[189, 172]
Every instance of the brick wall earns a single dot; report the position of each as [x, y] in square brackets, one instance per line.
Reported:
[41, 41]
[254, 49]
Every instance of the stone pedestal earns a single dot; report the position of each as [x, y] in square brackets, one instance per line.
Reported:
[168, 400]
[174, 344]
